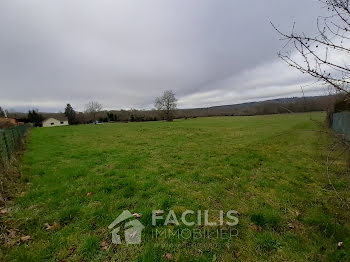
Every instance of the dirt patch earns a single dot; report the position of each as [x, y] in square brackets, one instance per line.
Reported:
[7, 122]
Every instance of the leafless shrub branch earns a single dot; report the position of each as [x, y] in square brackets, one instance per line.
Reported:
[315, 55]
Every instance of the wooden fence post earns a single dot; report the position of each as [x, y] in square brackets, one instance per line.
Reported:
[6, 146]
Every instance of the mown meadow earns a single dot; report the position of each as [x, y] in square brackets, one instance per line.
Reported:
[272, 169]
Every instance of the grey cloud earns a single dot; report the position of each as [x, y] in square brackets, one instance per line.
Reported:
[124, 53]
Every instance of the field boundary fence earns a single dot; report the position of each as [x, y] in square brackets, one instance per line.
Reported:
[11, 140]
[341, 124]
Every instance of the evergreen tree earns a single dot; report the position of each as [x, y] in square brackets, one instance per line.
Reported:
[2, 112]
[35, 118]
[70, 114]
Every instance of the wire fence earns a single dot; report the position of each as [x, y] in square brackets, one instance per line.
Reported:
[10, 142]
[341, 124]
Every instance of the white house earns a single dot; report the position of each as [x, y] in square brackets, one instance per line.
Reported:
[55, 122]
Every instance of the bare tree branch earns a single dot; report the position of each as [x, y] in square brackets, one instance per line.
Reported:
[317, 53]
[93, 108]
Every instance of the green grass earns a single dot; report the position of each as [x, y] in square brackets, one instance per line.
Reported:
[271, 169]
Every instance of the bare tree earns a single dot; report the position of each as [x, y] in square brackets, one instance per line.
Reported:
[167, 104]
[93, 108]
[324, 56]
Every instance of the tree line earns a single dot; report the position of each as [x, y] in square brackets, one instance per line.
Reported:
[166, 109]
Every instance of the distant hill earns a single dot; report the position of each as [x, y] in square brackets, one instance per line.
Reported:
[277, 101]
[271, 106]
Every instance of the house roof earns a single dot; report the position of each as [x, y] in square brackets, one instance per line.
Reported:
[59, 118]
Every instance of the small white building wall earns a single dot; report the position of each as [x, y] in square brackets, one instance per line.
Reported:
[54, 122]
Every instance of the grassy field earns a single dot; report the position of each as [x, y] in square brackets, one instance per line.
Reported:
[271, 169]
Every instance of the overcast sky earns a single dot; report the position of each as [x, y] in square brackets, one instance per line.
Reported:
[124, 53]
